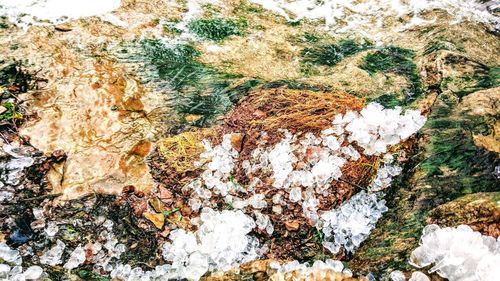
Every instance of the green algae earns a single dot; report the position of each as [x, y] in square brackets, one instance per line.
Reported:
[11, 113]
[396, 60]
[388, 100]
[217, 29]
[196, 88]
[438, 45]
[332, 54]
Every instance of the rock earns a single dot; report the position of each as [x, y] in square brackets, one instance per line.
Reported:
[2, 109]
[157, 219]
[292, 225]
[237, 141]
[156, 204]
[481, 211]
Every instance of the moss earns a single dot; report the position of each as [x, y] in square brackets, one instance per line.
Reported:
[438, 45]
[170, 27]
[245, 7]
[11, 113]
[392, 59]
[92, 276]
[331, 54]
[388, 100]
[217, 29]
[196, 87]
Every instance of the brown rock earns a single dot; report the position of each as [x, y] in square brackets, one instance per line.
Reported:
[164, 194]
[237, 141]
[292, 225]
[128, 189]
[156, 204]
[157, 219]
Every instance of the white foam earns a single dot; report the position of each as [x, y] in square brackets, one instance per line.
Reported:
[362, 16]
[43, 12]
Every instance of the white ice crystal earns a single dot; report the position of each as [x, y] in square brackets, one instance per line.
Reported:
[53, 256]
[418, 276]
[51, 229]
[376, 128]
[9, 255]
[385, 174]
[282, 161]
[397, 275]
[458, 253]
[220, 243]
[15, 272]
[350, 224]
[316, 271]
[76, 258]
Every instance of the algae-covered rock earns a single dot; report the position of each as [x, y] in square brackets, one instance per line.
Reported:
[481, 211]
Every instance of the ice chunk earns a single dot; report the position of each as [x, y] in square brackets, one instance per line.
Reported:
[458, 253]
[76, 258]
[397, 275]
[53, 256]
[350, 224]
[418, 276]
[33, 273]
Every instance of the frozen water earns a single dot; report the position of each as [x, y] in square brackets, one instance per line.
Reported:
[33, 273]
[418, 276]
[9, 255]
[53, 256]
[458, 253]
[51, 229]
[76, 258]
[384, 176]
[397, 276]
[15, 272]
[375, 128]
[350, 224]
[220, 243]
[295, 194]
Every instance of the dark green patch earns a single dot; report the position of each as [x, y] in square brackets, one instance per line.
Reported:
[171, 27]
[91, 276]
[398, 61]
[249, 8]
[388, 100]
[4, 23]
[484, 78]
[197, 88]
[438, 45]
[331, 54]
[217, 29]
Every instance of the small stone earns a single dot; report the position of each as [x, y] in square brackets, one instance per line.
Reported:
[237, 141]
[157, 219]
[156, 204]
[2, 109]
[292, 225]
[128, 189]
